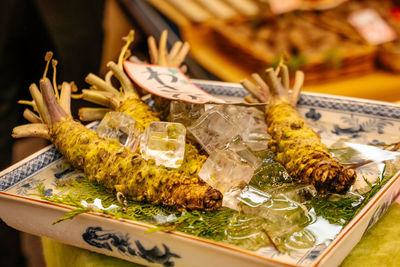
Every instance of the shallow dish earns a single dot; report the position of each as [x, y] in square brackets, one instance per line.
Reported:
[334, 117]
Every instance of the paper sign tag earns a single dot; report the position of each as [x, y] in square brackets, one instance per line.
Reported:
[168, 82]
[372, 26]
[282, 6]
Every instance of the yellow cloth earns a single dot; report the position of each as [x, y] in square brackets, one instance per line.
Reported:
[379, 247]
[60, 255]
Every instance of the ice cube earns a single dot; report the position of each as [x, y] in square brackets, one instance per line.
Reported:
[165, 143]
[238, 116]
[258, 140]
[301, 193]
[284, 216]
[249, 120]
[230, 199]
[270, 174]
[184, 112]
[247, 232]
[220, 123]
[225, 169]
[238, 146]
[252, 197]
[276, 206]
[122, 127]
[255, 134]
[213, 130]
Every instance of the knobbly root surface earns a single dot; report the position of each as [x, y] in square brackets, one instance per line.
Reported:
[121, 170]
[300, 150]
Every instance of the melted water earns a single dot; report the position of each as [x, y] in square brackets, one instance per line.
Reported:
[288, 218]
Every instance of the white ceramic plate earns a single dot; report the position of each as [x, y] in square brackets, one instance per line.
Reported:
[361, 121]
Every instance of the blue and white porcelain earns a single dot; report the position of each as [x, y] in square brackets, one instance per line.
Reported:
[333, 117]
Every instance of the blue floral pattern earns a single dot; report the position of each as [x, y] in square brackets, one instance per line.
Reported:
[99, 238]
[313, 114]
[355, 127]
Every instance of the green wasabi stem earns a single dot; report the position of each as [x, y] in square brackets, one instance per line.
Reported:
[128, 41]
[47, 58]
[39, 103]
[297, 86]
[264, 87]
[28, 103]
[126, 83]
[31, 116]
[279, 65]
[253, 90]
[74, 87]
[162, 49]
[54, 64]
[65, 97]
[158, 56]
[56, 113]
[284, 75]
[40, 123]
[275, 85]
[100, 98]
[100, 84]
[31, 130]
[92, 114]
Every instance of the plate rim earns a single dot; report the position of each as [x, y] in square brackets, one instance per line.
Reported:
[324, 255]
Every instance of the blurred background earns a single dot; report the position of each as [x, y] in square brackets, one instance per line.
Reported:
[349, 48]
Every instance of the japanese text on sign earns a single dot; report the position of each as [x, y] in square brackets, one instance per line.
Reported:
[168, 82]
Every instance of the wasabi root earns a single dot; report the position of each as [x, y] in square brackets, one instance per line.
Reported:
[295, 144]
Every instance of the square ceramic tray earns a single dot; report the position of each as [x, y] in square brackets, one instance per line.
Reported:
[361, 121]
